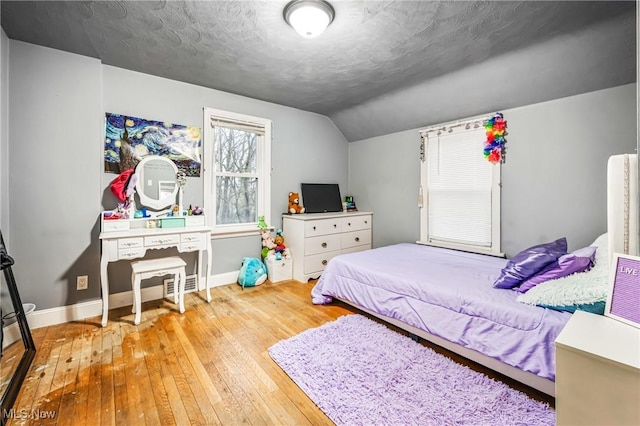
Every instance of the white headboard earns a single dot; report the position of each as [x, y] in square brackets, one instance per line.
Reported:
[622, 204]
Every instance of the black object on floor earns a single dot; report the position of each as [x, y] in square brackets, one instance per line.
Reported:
[9, 397]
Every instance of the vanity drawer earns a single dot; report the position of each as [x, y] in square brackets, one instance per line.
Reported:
[322, 227]
[161, 240]
[131, 253]
[193, 242]
[115, 225]
[184, 247]
[195, 220]
[192, 238]
[127, 243]
[317, 262]
[356, 223]
[321, 244]
[357, 238]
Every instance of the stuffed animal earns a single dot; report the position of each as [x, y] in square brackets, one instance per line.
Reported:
[268, 246]
[294, 203]
[261, 223]
[281, 250]
[252, 273]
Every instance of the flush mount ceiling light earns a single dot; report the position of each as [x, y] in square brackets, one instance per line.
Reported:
[309, 17]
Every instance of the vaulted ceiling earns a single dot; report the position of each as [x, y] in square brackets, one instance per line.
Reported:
[380, 67]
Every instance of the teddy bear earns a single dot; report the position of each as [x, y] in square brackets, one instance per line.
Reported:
[281, 250]
[294, 203]
[252, 273]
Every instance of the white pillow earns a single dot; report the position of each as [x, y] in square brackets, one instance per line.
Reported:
[582, 288]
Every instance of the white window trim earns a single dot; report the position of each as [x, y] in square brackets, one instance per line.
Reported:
[264, 179]
[496, 186]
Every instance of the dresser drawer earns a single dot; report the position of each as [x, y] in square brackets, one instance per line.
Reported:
[131, 253]
[317, 262]
[356, 223]
[321, 244]
[313, 228]
[127, 243]
[356, 238]
[161, 240]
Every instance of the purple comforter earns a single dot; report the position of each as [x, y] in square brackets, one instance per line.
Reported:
[449, 294]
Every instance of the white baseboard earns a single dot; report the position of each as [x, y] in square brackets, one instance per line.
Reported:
[93, 308]
[11, 334]
[46, 317]
[221, 279]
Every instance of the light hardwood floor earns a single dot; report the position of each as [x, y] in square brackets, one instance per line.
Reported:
[209, 366]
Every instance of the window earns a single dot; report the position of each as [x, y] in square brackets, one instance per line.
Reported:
[460, 189]
[237, 171]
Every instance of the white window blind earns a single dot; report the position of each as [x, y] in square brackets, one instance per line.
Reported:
[240, 125]
[459, 184]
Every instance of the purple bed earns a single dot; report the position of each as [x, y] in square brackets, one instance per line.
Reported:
[449, 294]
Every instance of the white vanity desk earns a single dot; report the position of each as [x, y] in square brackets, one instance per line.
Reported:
[157, 186]
[133, 243]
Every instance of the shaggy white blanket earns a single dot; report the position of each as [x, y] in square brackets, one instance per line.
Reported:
[575, 289]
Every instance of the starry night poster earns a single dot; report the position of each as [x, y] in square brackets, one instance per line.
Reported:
[129, 139]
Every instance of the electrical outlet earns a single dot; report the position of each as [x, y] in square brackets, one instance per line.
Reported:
[82, 282]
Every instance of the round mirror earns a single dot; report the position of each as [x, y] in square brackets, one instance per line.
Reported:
[157, 185]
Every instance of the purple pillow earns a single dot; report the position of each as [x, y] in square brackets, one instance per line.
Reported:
[529, 262]
[578, 261]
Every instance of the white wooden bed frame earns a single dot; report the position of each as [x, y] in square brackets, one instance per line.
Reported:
[622, 224]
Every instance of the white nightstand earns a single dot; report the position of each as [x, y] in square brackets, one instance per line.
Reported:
[597, 372]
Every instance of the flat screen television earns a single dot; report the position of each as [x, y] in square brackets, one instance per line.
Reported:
[321, 197]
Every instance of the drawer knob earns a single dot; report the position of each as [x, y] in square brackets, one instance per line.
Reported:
[324, 245]
[314, 228]
[365, 222]
[335, 226]
[324, 262]
[357, 239]
[349, 224]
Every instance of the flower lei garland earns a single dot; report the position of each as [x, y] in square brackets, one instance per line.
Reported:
[494, 145]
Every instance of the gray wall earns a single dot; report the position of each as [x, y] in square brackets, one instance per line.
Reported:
[58, 188]
[554, 178]
[306, 146]
[4, 133]
[54, 172]
[4, 156]
[384, 174]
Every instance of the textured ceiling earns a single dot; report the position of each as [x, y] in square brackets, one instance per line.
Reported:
[373, 51]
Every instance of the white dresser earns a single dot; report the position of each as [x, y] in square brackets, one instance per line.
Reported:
[597, 372]
[315, 238]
